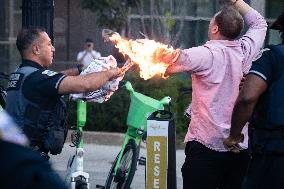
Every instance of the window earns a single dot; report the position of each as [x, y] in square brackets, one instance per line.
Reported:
[11, 22]
[273, 10]
[169, 18]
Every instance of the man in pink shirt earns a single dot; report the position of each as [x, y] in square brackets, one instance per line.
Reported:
[217, 68]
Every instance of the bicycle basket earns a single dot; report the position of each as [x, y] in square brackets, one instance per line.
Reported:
[141, 107]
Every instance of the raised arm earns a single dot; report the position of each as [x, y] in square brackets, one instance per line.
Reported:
[253, 39]
[242, 6]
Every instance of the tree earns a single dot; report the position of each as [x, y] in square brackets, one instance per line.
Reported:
[110, 13]
[165, 21]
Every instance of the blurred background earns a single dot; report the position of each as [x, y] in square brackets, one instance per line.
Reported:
[180, 23]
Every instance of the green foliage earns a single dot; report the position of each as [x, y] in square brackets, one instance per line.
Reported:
[170, 22]
[110, 13]
[111, 115]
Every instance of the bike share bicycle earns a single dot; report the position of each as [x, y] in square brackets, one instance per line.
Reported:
[122, 172]
[76, 177]
[123, 169]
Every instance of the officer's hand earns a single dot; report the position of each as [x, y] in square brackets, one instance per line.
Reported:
[232, 144]
[166, 55]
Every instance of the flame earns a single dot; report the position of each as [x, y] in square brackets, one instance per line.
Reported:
[141, 52]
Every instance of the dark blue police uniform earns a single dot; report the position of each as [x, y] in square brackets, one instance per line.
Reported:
[23, 168]
[35, 105]
[41, 87]
[266, 130]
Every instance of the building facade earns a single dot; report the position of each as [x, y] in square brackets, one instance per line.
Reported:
[72, 25]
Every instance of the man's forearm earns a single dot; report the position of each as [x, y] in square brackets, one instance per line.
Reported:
[86, 83]
[241, 6]
[241, 115]
[97, 79]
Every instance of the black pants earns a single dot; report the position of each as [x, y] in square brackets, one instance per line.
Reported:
[208, 169]
[265, 171]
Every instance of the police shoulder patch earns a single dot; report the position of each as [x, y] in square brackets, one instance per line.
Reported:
[49, 73]
[15, 81]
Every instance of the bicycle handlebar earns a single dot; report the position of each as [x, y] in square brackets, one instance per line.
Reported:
[165, 101]
[128, 86]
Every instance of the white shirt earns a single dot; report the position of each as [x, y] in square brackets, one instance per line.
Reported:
[90, 56]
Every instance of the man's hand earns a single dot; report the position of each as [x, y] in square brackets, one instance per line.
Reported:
[232, 144]
[88, 49]
[128, 64]
[166, 55]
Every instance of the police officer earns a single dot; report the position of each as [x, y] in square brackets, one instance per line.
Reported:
[34, 93]
[261, 101]
[20, 166]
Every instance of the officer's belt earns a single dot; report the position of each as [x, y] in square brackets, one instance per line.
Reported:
[268, 134]
[42, 153]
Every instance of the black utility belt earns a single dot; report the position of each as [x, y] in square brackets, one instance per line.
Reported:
[42, 153]
[268, 134]
[267, 152]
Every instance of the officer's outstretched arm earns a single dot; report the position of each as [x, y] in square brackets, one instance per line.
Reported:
[87, 83]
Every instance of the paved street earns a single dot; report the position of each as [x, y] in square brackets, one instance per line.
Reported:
[98, 160]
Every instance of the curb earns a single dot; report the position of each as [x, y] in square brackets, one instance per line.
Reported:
[102, 138]
[106, 138]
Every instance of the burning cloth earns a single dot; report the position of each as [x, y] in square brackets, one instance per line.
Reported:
[145, 53]
[103, 94]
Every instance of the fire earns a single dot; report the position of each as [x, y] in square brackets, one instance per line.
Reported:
[142, 52]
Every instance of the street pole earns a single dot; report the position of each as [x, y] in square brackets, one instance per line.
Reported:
[38, 13]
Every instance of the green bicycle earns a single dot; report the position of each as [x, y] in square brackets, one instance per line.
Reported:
[123, 169]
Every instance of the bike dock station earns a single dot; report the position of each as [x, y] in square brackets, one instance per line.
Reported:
[161, 151]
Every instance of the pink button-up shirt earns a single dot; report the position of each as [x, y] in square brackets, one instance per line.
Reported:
[216, 69]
